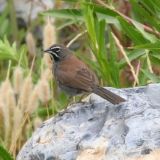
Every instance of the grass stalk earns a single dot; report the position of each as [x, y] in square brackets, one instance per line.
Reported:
[126, 57]
[75, 38]
[149, 62]
[13, 19]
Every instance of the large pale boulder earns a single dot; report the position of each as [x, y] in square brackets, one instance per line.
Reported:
[98, 130]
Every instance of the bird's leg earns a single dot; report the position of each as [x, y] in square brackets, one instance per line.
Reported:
[82, 97]
[74, 99]
[71, 100]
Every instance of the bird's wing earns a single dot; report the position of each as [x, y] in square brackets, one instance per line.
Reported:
[76, 75]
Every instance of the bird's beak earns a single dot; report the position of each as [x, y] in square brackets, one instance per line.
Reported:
[47, 50]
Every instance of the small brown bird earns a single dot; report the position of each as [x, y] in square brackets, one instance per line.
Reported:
[74, 76]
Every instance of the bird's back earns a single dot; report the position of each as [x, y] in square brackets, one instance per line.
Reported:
[75, 74]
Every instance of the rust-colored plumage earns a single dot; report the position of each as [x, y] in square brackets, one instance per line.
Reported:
[74, 76]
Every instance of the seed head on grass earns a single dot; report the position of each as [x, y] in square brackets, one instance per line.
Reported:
[44, 92]
[17, 120]
[33, 101]
[31, 44]
[10, 99]
[5, 86]
[25, 93]
[11, 105]
[18, 79]
[49, 38]
[49, 34]
[2, 133]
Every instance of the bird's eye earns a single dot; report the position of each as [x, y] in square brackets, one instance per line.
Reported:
[56, 49]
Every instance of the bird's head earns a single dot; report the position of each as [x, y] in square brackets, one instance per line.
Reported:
[57, 52]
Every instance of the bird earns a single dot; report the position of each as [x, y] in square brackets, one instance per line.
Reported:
[75, 77]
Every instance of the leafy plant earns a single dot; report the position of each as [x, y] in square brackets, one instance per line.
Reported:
[100, 20]
[10, 52]
[4, 155]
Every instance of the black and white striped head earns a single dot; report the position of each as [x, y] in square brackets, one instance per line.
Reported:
[57, 52]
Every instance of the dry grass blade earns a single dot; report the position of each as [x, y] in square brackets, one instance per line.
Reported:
[126, 57]
[75, 38]
[137, 72]
[149, 62]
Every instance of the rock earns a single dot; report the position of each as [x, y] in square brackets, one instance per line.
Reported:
[28, 8]
[98, 130]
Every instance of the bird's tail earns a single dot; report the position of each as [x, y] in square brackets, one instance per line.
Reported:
[108, 95]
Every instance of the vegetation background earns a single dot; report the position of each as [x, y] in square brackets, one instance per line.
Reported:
[118, 39]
